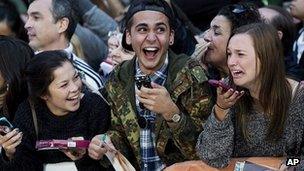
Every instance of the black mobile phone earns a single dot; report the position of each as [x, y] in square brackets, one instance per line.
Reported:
[143, 80]
[217, 83]
[5, 126]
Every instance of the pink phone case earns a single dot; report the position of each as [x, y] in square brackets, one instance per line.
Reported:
[217, 83]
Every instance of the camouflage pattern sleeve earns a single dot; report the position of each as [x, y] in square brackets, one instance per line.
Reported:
[121, 120]
[193, 97]
[119, 139]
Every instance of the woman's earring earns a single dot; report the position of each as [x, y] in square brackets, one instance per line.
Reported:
[171, 43]
[7, 87]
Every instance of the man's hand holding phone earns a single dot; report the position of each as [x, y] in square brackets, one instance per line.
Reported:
[158, 100]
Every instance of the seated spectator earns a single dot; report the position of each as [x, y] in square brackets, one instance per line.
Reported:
[50, 26]
[262, 114]
[283, 22]
[56, 109]
[156, 124]
[117, 54]
[14, 55]
[10, 21]
[212, 51]
[92, 31]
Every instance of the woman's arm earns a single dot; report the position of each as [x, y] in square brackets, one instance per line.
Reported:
[215, 143]
[25, 157]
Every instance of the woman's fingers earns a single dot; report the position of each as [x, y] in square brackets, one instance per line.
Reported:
[15, 144]
[12, 140]
[74, 154]
[8, 136]
[96, 152]
[10, 146]
[228, 98]
[96, 149]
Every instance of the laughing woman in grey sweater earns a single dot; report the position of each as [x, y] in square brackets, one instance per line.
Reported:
[263, 115]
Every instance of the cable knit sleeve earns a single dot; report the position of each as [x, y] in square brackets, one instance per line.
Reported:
[215, 143]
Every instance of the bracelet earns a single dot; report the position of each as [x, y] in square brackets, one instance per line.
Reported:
[221, 107]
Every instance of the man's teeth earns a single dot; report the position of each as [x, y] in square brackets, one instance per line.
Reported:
[151, 49]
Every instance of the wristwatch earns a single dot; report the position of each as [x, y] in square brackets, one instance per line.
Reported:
[176, 118]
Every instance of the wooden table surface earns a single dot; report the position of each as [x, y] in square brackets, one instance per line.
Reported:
[198, 165]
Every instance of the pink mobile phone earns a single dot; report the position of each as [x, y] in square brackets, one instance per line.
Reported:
[217, 83]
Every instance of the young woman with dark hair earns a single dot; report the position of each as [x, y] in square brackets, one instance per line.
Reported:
[61, 110]
[212, 48]
[10, 21]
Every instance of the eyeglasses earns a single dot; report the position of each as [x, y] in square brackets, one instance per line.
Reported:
[237, 9]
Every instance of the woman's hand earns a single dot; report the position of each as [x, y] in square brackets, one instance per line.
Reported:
[75, 154]
[225, 100]
[99, 146]
[10, 141]
[200, 51]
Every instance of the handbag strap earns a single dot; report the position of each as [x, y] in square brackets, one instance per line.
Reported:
[34, 117]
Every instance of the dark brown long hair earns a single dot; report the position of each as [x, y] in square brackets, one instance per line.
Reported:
[14, 56]
[275, 91]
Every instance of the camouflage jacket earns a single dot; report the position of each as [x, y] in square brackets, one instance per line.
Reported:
[187, 84]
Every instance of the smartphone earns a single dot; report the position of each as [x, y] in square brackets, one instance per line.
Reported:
[5, 126]
[217, 83]
[143, 80]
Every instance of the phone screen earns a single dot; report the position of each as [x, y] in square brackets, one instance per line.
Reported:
[5, 126]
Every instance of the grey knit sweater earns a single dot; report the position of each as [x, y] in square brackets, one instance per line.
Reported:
[222, 140]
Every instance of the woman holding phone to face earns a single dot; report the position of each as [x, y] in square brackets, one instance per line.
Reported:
[14, 55]
[63, 112]
[211, 50]
[266, 120]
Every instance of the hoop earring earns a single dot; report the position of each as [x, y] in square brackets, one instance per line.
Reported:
[171, 43]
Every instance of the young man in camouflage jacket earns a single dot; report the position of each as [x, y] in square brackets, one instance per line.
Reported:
[164, 129]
